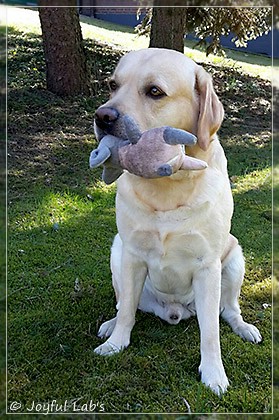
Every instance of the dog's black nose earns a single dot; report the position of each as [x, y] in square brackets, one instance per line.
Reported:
[174, 317]
[105, 117]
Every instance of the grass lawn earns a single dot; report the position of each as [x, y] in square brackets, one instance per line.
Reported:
[2, 214]
[61, 225]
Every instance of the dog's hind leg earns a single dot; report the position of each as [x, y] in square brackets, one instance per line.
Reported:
[233, 267]
[115, 265]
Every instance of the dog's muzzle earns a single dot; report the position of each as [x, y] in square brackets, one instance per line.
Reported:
[106, 117]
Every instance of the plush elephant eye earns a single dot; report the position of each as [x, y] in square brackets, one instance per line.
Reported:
[112, 85]
[155, 92]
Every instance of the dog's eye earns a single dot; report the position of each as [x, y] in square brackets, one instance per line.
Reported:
[155, 92]
[112, 85]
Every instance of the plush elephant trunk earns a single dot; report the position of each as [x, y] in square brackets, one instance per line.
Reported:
[99, 156]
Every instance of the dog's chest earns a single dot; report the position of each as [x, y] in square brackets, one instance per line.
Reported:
[172, 258]
[174, 246]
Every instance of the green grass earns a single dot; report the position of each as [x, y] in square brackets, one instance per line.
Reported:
[2, 218]
[61, 226]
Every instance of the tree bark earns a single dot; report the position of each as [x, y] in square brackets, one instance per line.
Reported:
[168, 28]
[66, 70]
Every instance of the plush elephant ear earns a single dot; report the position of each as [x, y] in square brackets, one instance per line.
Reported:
[177, 136]
[111, 174]
[132, 130]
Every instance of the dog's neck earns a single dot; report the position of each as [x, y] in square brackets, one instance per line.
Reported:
[180, 189]
[164, 194]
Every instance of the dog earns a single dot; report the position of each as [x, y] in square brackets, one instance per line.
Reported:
[174, 255]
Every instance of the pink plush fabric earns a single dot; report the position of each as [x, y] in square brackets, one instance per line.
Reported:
[151, 152]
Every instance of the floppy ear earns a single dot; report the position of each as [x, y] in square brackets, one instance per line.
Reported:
[211, 112]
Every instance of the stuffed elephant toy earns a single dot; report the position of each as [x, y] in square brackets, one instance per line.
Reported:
[155, 153]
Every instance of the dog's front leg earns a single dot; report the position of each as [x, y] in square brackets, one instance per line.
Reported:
[133, 275]
[207, 289]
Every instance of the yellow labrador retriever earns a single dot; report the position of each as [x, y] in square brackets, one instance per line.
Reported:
[174, 255]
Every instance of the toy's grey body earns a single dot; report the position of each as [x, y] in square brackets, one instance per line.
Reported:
[107, 154]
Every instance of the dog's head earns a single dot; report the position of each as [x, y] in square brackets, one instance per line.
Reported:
[159, 87]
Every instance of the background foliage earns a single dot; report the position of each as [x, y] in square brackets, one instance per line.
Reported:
[209, 24]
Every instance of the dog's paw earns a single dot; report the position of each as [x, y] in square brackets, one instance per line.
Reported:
[248, 332]
[107, 328]
[214, 376]
[107, 349]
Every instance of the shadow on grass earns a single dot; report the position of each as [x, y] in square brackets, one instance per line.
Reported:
[26, 64]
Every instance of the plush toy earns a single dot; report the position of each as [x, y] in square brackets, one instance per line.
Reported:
[155, 153]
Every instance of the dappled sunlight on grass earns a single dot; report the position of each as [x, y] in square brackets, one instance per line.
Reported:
[261, 285]
[255, 180]
[256, 69]
[54, 209]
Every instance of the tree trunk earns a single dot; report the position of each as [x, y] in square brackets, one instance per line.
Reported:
[167, 28]
[66, 70]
